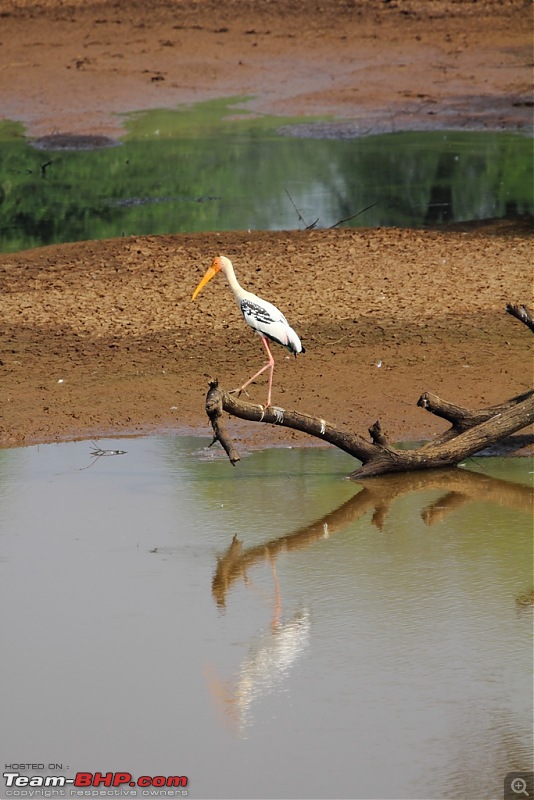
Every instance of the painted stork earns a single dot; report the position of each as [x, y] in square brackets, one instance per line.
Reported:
[262, 316]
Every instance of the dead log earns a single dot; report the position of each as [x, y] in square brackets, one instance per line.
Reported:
[380, 456]
[471, 430]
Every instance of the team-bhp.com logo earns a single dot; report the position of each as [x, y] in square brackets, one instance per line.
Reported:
[95, 784]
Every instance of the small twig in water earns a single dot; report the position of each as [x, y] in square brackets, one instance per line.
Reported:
[301, 218]
[357, 214]
[97, 452]
[44, 167]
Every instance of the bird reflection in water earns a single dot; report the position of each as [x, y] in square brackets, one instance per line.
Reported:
[268, 662]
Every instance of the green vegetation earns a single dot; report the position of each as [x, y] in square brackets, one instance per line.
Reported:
[216, 167]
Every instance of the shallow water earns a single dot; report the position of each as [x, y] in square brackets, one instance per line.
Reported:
[348, 643]
[214, 167]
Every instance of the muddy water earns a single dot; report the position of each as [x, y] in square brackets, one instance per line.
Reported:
[268, 630]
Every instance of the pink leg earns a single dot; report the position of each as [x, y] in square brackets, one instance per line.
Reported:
[269, 365]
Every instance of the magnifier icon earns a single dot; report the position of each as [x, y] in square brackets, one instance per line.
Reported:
[519, 786]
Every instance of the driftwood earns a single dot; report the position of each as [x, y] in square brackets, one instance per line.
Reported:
[470, 431]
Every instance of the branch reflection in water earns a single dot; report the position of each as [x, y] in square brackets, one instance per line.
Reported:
[276, 650]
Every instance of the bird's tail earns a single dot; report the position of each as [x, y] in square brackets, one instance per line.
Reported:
[294, 345]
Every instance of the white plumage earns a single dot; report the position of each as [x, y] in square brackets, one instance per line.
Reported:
[265, 318]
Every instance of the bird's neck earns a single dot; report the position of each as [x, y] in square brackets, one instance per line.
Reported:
[238, 290]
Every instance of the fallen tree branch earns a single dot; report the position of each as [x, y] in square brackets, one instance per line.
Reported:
[220, 401]
[379, 456]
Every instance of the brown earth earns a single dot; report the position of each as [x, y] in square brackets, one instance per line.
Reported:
[98, 338]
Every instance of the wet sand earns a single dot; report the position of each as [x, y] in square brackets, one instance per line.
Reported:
[99, 338]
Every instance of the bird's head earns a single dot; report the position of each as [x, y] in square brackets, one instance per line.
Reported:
[218, 264]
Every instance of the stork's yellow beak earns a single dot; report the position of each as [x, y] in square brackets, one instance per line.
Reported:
[207, 277]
